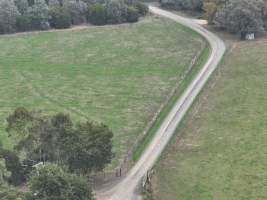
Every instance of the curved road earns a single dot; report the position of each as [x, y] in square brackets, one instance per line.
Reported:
[127, 188]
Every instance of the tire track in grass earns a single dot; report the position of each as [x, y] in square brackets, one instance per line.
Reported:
[38, 92]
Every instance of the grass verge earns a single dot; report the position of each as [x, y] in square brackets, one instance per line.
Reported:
[163, 114]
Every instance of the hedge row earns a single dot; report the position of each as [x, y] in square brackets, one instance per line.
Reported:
[114, 12]
[25, 15]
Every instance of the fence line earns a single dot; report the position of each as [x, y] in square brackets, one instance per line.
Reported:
[126, 164]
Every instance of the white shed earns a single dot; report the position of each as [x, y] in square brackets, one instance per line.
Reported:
[250, 36]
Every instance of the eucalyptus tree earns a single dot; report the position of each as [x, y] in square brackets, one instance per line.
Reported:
[38, 15]
[241, 16]
[52, 182]
[8, 16]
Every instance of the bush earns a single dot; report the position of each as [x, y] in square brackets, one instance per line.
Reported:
[38, 14]
[52, 182]
[25, 15]
[116, 12]
[14, 166]
[54, 3]
[77, 10]
[132, 14]
[91, 2]
[240, 17]
[86, 148]
[59, 18]
[9, 193]
[4, 173]
[23, 23]
[8, 16]
[22, 6]
[97, 14]
[142, 8]
[193, 5]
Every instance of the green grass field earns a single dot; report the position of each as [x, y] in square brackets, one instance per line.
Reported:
[220, 151]
[165, 111]
[118, 75]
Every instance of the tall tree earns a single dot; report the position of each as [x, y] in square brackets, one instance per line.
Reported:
[8, 16]
[38, 14]
[241, 16]
[22, 6]
[53, 183]
[116, 12]
[77, 10]
[88, 148]
[210, 8]
[14, 166]
[183, 4]
[4, 173]
[37, 134]
[83, 148]
[9, 193]
[60, 17]
[54, 3]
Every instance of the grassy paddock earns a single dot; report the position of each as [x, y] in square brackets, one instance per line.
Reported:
[220, 149]
[118, 75]
[163, 114]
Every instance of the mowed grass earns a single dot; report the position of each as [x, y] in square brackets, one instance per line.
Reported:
[220, 150]
[118, 75]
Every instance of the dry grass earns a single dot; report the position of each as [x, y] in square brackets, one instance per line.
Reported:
[220, 150]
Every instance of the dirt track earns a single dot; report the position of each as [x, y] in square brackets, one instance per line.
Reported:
[127, 188]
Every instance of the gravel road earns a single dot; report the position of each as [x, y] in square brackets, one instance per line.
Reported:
[129, 187]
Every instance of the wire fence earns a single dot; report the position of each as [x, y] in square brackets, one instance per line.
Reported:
[126, 164]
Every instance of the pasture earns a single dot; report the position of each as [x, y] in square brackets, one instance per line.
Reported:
[118, 75]
[219, 151]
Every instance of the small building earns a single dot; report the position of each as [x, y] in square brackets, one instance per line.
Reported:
[250, 36]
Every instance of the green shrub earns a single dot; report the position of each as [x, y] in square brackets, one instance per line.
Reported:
[142, 8]
[8, 16]
[9, 193]
[23, 23]
[77, 10]
[38, 14]
[97, 14]
[193, 5]
[14, 166]
[59, 18]
[116, 12]
[52, 182]
[132, 14]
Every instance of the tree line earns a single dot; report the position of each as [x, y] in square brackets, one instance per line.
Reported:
[235, 16]
[52, 155]
[27, 15]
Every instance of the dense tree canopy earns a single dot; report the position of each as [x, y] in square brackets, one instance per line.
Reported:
[45, 143]
[87, 148]
[59, 17]
[241, 16]
[24, 15]
[76, 9]
[4, 173]
[38, 15]
[13, 165]
[83, 147]
[8, 192]
[53, 183]
[235, 16]
[11, 170]
[183, 4]
[22, 6]
[8, 16]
